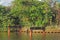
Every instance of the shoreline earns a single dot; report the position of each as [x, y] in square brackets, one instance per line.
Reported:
[39, 31]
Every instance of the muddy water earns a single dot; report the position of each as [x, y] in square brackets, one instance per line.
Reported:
[26, 36]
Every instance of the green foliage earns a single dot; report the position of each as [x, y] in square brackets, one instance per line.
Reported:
[4, 11]
[37, 13]
[40, 14]
[25, 13]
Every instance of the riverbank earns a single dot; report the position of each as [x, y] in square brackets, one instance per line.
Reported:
[47, 30]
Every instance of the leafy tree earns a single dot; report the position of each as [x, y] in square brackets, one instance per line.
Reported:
[4, 11]
[31, 12]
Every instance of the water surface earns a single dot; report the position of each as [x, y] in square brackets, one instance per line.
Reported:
[26, 36]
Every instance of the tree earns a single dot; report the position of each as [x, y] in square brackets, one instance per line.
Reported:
[4, 11]
[31, 12]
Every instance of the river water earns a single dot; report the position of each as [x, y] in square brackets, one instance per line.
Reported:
[26, 36]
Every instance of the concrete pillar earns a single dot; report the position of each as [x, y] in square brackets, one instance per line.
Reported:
[9, 33]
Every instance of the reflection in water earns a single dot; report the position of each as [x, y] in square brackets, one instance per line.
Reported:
[3, 36]
[30, 34]
[9, 37]
[34, 36]
[25, 36]
[43, 35]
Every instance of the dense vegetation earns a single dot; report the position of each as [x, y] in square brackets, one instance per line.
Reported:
[27, 14]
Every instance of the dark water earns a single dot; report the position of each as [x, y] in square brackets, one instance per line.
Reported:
[25, 36]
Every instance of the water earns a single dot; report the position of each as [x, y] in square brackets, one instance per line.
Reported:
[25, 36]
[3, 36]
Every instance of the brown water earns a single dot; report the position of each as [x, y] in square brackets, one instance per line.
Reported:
[25, 36]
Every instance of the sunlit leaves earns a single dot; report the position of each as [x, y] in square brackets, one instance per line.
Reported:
[38, 13]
